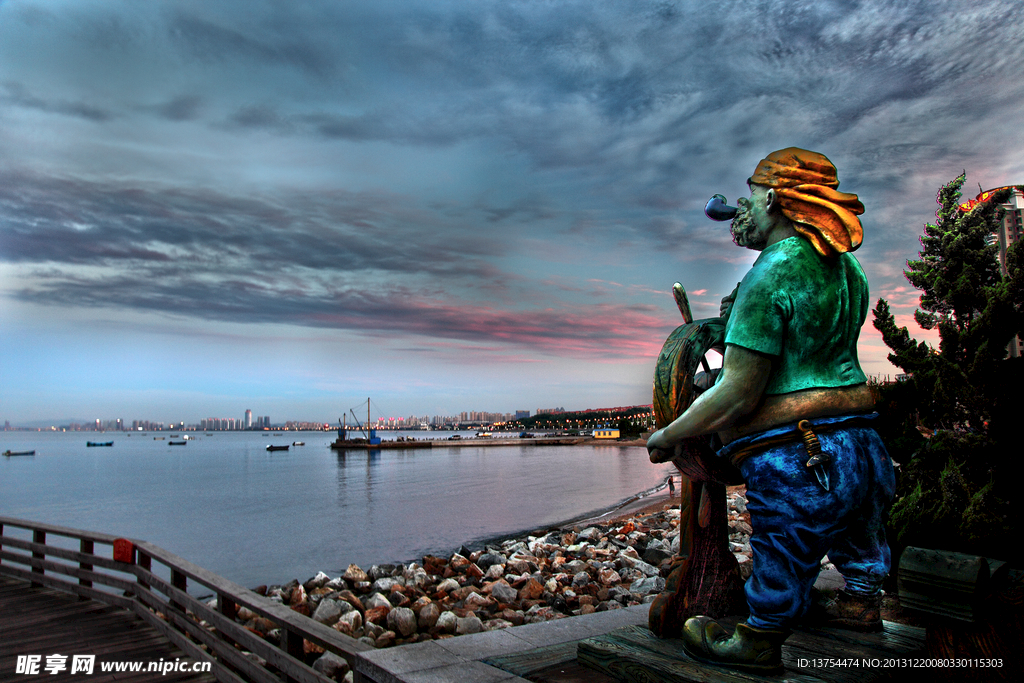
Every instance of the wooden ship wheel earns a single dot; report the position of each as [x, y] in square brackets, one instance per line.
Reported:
[705, 578]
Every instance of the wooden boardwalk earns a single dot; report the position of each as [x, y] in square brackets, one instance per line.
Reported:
[111, 598]
[42, 621]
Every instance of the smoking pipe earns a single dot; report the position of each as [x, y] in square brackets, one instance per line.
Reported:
[717, 210]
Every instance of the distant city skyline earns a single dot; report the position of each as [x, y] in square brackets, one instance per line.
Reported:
[264, 422]
[219, 205]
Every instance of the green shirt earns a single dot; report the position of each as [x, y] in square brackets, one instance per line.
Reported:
[806, 311]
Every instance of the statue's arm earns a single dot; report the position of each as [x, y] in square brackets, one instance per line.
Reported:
[735, 396]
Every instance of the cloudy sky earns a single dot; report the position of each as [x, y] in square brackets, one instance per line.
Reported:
[445, 205]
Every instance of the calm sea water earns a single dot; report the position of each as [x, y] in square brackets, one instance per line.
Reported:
[256, 517]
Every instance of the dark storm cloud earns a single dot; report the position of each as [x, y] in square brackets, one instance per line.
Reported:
[600, 332]
[331, 261]
[18, 95]
[74, 222]
[618, 119]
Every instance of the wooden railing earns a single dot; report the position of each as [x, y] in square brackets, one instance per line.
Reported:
[123, 575]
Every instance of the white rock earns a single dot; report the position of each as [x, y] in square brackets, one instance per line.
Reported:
[376, 600]
[337, 584]
[385, 585]
[447, 622]
[317, 581]
[353, 619]
[629, 552]
[651, 584]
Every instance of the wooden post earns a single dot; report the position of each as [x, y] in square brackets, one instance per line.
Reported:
[86, 547]
[146, 562]
[292, 644]
[179, 581]
[38, 536]
[227, 607]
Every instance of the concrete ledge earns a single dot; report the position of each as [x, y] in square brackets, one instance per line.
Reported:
[458, 660]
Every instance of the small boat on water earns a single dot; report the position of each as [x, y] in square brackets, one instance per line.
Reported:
[277, 448]
[177, 443]
[298, 443]
[158, 438]
[10, 453]
[99, 443]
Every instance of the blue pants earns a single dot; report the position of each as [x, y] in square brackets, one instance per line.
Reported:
[796, 521]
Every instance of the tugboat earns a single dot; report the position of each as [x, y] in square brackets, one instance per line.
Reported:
[371, 441]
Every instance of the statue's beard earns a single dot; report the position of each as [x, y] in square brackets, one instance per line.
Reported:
[745, 232]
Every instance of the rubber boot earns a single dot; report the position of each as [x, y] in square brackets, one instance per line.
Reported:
[850, 611]
[749, 649]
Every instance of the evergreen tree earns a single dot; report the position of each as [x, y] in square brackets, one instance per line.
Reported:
[955, 487]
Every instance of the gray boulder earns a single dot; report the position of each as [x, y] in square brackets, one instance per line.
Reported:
[331, 665]
[328, 612]
[402, 620]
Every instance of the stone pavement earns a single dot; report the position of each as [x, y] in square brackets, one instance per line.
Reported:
[461, 659]
[464, 659]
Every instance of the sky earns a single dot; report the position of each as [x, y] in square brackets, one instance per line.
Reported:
[214, 206]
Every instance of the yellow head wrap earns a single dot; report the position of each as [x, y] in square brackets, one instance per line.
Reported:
[805, 183]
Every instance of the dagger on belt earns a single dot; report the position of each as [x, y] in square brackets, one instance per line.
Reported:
[818, 458]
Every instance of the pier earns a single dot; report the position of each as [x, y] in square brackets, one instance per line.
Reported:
[135, 606]
[74, 592]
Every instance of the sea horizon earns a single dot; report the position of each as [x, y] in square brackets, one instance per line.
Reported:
[255, 517]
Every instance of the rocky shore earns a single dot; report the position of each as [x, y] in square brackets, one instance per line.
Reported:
[578, 569]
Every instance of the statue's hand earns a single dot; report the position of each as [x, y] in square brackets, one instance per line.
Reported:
[727, 302]
[658, 448]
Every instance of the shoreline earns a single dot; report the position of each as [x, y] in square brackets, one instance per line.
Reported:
[643, 503]
[588, 564]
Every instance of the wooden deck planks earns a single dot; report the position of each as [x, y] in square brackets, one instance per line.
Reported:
[634, 653]
[42, 621]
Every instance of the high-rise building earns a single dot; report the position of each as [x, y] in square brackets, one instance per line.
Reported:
[1008, 234]
[248, 419]
[1010, 228]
